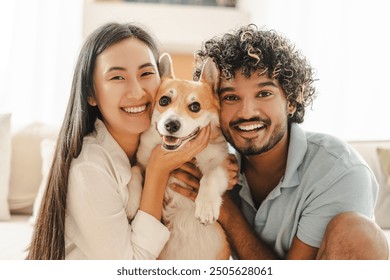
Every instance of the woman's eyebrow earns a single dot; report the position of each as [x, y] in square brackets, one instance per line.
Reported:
[119, 68]
[148, 64]
[116, 68]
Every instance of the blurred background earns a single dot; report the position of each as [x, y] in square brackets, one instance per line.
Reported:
[347, 42]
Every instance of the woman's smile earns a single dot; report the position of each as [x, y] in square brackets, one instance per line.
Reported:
[135, 109]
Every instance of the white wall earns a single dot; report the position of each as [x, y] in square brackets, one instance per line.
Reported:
[40, 40]
[346, 41]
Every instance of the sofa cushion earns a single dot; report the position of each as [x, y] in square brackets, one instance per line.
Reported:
[368, 150]
[384, 159]
[26, 164]
[5, 164]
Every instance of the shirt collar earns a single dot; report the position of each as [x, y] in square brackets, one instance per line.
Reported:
[296, 152]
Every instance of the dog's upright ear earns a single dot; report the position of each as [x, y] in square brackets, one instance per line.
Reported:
[210, 73]
[165, 66]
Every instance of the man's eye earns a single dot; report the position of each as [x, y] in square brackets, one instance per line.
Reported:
[230, 98]
[194, 107]
[264, 94]
[164, 101]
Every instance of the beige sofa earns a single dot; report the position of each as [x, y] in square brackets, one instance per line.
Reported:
[369, 151]
[31, 155]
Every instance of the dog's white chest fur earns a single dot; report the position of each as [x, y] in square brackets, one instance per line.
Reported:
[194, 234]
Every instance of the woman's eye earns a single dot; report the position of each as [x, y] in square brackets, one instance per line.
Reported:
[194, 107]
[164, 101]
[147, 74]
[117, 78]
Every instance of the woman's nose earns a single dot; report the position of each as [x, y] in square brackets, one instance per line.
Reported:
[134, 90]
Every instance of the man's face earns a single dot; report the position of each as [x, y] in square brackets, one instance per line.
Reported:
[254, 113]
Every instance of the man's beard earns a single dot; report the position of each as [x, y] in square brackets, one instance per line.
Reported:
[250, 147]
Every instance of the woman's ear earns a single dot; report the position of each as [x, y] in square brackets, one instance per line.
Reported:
[91, 101]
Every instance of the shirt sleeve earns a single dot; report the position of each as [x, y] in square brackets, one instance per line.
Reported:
[97, 220]
[353, 190]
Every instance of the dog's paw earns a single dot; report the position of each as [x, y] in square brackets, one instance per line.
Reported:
[135, 192]
[206, 210]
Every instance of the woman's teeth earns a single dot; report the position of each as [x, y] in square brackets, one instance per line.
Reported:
[134, 110]
[250, 127]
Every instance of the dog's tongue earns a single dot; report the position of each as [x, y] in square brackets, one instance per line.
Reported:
[170, 140]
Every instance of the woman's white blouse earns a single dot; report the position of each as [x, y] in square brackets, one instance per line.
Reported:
[96, 225]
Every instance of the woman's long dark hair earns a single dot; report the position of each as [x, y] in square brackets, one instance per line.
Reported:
[48, 241]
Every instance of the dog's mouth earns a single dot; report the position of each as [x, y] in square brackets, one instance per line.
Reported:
[173, 143]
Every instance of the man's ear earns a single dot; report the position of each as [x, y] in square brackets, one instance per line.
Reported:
[291, 109]
[91, 101]
[210, 73]
[165, 66]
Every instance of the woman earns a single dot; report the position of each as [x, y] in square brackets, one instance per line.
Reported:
[82, 215]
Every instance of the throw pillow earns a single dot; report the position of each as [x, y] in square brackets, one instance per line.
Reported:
[47, 152]
[384, 158]
[5, 164]
[26, 165]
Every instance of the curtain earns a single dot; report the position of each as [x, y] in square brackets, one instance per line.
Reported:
[39, 45]
[348, 44]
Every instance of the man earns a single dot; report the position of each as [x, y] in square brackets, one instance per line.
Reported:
[301, 195]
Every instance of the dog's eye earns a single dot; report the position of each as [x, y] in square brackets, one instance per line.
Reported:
[164, 101]
[194, 107]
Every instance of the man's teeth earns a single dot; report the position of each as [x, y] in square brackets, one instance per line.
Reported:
[250, 127]
[137, 109]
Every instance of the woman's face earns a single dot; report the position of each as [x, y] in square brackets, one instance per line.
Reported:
[126, 80]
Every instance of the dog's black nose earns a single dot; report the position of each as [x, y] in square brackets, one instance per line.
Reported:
[172, 126]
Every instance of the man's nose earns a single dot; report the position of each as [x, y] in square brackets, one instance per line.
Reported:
[247, 109]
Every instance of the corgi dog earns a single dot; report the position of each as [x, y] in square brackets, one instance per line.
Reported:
[181, 110]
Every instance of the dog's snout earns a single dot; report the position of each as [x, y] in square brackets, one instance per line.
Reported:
[172, 126]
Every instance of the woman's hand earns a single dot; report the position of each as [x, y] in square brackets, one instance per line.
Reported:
[165, 161]
[161, 164]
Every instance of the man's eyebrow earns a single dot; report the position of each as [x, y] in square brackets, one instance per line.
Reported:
[268, 83]
[261, 84]
[225, 89]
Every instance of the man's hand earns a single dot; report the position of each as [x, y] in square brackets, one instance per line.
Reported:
[190, 174]
[231, 165]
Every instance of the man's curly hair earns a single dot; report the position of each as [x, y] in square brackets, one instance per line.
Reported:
[248, 49]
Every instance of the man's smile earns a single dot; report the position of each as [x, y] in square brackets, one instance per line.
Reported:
[250, 127]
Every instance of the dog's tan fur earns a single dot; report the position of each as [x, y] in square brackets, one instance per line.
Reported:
[194, 232]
